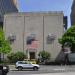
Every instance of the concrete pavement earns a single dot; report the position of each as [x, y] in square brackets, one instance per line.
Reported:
[67, 73]
[12, 67]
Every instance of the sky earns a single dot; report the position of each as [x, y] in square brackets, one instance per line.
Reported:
[46, 5]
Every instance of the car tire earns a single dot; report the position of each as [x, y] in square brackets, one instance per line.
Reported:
[35, 68]
[19, 68]
[4, 73]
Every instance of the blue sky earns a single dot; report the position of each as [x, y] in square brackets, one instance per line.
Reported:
[46, 5]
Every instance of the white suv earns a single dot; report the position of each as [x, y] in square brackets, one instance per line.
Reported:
[26, 65]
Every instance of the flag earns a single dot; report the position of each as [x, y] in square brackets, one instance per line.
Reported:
[33, 45]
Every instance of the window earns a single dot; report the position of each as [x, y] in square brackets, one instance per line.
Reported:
[11, 38]
[50, 39]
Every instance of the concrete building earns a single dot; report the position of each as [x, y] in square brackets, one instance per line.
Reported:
[73, 13]
[31, 32]
[7, 6]
[65, 22]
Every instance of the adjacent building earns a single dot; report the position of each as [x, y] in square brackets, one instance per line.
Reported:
[65, 22]
[32, 32]
[7, 6]
[73, 13]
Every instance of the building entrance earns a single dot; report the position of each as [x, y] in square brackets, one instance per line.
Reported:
[32, 55]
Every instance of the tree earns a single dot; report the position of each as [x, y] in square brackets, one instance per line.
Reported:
[4, 44]
[44, 55]
[69, 38]
[18, 56]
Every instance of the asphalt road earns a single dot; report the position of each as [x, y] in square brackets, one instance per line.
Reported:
[45, 69]
[23, 73]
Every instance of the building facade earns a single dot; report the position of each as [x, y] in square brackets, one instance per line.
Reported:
[33, 32]
[65, 22]
[7, 6]
[73, 13]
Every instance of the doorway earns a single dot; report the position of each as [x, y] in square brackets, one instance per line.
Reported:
[32, 55]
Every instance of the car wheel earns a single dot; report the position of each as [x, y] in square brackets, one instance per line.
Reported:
[4, 73]
[19, 68]
[35, 68]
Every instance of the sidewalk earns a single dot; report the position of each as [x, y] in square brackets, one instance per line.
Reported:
[12, 67]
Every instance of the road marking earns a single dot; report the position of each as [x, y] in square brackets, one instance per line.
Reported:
[42, 74]
[59, 69]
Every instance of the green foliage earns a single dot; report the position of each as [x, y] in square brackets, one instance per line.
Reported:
[18, 56]
[11, 57]
[44, 55]
[4, 44]
[69, 37]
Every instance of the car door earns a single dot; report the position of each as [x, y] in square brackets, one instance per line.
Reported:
[28, 65]
[25, 65]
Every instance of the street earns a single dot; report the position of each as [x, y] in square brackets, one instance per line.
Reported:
[46, 70]
[23, 73]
